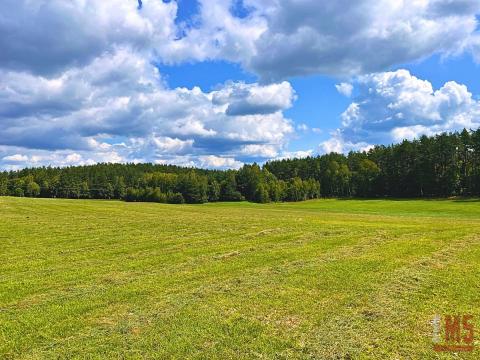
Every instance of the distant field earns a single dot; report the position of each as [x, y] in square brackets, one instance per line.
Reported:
[319, 279]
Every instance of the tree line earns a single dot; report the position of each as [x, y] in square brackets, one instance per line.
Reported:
[438, 166]
[443, 165]
[156, 183]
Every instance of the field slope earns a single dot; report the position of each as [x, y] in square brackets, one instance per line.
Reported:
[320, 279]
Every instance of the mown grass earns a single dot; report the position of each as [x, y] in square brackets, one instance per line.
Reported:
[320, 279]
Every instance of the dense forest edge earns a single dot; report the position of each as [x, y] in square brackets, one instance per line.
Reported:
[443, 165]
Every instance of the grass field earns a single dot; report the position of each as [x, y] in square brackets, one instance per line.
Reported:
[319, 279]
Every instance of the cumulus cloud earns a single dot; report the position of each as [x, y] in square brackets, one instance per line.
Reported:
[248, 99]
[337, 144]
[29, 158]
[353, 37]
[203, 161]
[344, 89]
[47, 36]
[78, 84]
[280, 39]
[169, 145]
[218, 162]
[217, 33]
[119, 103]
[16, 158]
[294, 154]
[393, 106]
[260, 151]
[275, 39]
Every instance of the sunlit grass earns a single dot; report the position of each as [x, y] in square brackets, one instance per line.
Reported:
[320, 279]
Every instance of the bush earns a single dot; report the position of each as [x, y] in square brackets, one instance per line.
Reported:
[33, 189]
[18, 192]
[261, 194]
[175, 198]
[131, 195]
[156, 195]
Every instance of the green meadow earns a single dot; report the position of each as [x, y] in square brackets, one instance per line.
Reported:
[322, 279]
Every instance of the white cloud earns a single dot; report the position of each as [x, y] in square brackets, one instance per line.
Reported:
[474, 47]
[276, 39]
[260, 151]
[15, 158]
[47, 36]
[175, 146]
[333, 144]
[344, 89]
[302, 127]
[122, 96]
[295, 154]
[77, 84]
[73, 158]
[337, 144]
[29, 158]
[393, 106]
[347, 37]
[399, 134]
[203, 161]
[280, 39]
[248, 99]
[212, 161]
[218, 34]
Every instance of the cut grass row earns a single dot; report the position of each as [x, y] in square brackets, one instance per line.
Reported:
[320, 279]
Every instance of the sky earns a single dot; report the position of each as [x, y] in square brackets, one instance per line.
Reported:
[221, 83]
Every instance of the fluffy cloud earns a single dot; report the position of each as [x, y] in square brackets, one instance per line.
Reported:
[344, 89]
[346, 37]
[217, 33]
[393, 106]
[248, 99]
[118, 104]
[474, 46]
[47, 36]
[218, 162]
[338, 144]
[275, 39]
[260, 151]
[28, 158]
[16, 158]
[295, 154]
[279, 39]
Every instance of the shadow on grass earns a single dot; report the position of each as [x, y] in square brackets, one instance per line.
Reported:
[452, 199]
[468, 200]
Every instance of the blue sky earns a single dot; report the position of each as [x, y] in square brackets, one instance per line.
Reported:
[319, 105]
[217, 84]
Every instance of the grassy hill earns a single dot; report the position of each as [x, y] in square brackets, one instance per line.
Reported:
[318, 279]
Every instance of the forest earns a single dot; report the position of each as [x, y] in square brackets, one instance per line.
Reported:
[443, 165]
